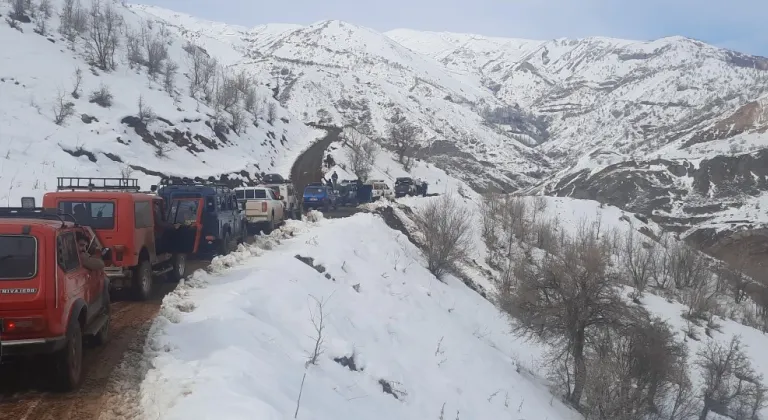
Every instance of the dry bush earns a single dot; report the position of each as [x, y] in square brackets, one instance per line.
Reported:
[271, 112]
[202, 70]
[146, 113]
[104, 25]
[490, 208]
[637, 257]
[564, 300]
[169, 77]
[102, 96]
[62, 109]
[731, 386]
[447, 229]
[403, 136]
[74, 20]
[361, 153]
[635, 370]
[155, 44]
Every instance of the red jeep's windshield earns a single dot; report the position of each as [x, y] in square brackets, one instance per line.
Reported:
[96, 214]
[18, 257]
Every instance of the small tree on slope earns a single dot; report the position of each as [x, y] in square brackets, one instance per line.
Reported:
[447, 227]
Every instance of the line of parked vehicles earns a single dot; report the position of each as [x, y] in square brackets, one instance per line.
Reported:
[53, 301]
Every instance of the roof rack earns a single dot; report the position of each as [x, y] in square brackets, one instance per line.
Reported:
[35, 213]
[97, 184]
[174, 180]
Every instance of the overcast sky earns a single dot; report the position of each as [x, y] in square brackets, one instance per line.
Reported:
[736, 24]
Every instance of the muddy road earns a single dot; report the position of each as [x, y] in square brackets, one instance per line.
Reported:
[113, 372]
[309, 166]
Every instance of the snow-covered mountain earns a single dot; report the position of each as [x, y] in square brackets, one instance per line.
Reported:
[61, 114]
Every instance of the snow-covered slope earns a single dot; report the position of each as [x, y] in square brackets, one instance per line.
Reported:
[38, 76]
[396, 342]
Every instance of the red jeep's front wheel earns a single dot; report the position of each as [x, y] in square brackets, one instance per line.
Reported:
[142, 280]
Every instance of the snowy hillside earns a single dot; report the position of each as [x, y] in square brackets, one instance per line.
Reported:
[70, 106]
[396, 342]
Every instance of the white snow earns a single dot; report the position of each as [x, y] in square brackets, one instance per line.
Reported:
[235, 344]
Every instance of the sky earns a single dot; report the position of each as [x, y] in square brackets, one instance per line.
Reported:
[734, 24]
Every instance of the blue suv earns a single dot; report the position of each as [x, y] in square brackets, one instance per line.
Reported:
[319, 196]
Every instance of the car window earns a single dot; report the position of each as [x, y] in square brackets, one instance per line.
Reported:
[184, 211]
[67, 252]
[240, 194]
[142, 214]
[18, 257]
[314, 190]
[96, 214]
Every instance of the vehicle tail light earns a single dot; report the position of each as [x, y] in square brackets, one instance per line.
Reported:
[23, 325]
[119, 252]
[264, 206]
[210, 238]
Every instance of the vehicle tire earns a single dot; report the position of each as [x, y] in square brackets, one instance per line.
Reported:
[69, 360]
[224, 246]
[179, 267]
[102, 336]
[270, 225]
[142, 281]
[244, 234]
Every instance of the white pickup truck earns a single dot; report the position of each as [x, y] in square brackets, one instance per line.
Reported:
[264, 210]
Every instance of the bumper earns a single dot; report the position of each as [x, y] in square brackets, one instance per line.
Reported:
[257, 219]
[31, 347]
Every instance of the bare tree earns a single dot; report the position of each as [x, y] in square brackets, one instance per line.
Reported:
[62, 109]
[637, 257]
[490, 209]
[74, 20]
[45, 11]
[134, 52]
[361, 153]
[447, 229]
[252, 102]
[104, 25]
[239, 121]
[403, 136]
[203, 69]
[634, 369]
[271, 112]
[730, 382]
[155, 48]
[169, 76]
[564, 300]
[19, 10]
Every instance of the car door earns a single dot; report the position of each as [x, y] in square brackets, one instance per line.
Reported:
[76, 279]
[94, 278]
[188, 213]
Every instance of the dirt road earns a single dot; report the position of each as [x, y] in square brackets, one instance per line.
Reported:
[309, 166]
[113, 372]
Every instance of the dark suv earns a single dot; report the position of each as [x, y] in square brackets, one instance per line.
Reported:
[222, 217]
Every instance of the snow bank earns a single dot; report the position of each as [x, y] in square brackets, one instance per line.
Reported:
[233, 343]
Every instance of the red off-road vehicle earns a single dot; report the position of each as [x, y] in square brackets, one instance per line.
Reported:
[48, 300]
[146, 240]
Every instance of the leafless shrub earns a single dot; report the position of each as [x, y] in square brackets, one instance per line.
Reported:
[635, 369]
[74, 20]
[45, 11]
[565, 300]
[403, 136]
[731, 386]
[19, 10]
[102, 96]
[446, 227]
[13, 24]
[146, 113]
[238, 121]
[203, 70]
[637, 257]
[361, 153]
[169, 76]
[134, 52]
[62, 109]
[544, 232]
[490, 209]
[155, 47]
[78, 80]
[252, 102]
[104, 24]
[271, 112]
[318, 323]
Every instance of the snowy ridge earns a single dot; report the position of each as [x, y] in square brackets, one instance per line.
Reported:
[104, 141]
